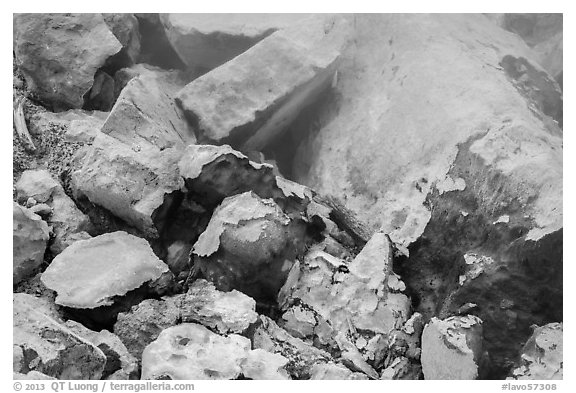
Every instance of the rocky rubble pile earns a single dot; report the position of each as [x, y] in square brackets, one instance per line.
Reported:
[291, 197]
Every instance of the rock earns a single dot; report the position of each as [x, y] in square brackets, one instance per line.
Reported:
[68, 223]
[120, 364]
[541, 358]
[485, 134]
[249, 245]
[125, 29]
[190, 351]
[334, 371]
[131, 183]
[209, 40]
[49, 347]
[267, 335]
[29, 238]
[93, 273]
[42, 209]
[145, 112]
[325, 298]
[255, 96]
[451, 348]
[101, 96]
[224, 312]
[59, 54]
[32, 375]
[144, 322]
[402, 369]
[263, 365]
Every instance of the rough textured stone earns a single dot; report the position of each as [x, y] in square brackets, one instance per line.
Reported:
[48, 346]
[340, 303]
[92, 273]
[209, 40]
[411, 153]
[225, 312]
[333, 371]
[29, 238]
[145, 112]
[451, 348]
[60, 53]
[125, 29]
[252, 98]
[32, 375]
[145, 321]
[190, 351]
[263, 365]
[129, 182]
[68, 223]
[542, 355]
[249, 245]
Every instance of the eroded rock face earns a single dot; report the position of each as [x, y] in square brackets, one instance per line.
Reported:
[48, 347]
[542, 355]
[255, 96]
[60, 53]
[225, 312]
[30, 237]
[249, 245]
[92, 273]
[451, 348]
[129, 182]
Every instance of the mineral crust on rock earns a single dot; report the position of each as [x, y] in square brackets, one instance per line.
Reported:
[451, 348]
[29, 237]
[49, 347]
[251, 99]
[60, 53]
[93, 273]
[542, 355]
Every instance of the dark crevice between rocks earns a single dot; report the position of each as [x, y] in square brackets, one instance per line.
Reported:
[155, 49]
[113, 362]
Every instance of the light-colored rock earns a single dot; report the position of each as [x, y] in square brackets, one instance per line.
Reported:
[333, 371]
[125, 29]
[146, 113]
[249, 245]
[209, 40]
[29, 238]
[226, 312]
[59, 54]
[145, 321]
[263, 365]
[451, 348]
[120, 364]
[542, 356]
[92, 273]
[131, 183]
[48, 346]
[251, 99]
[190, 351]
[32, 375]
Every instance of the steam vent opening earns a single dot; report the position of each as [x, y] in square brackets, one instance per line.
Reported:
[288, 196]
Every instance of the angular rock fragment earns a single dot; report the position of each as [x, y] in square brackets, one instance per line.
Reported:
[402, 369]
[131, 183]
[263, 365]
[225, 312]
[125, 29]
[209, 40]
[145, 112]
[145, 321]
[190, 351]
[93, 273]
[251, 99]
[301, 356]
[59, 54]
[542, 355]
[29, 238]
[68, 223]
[357, 303]
[333, 371]
[32, 375]
[451, 348]
[48, 346]
[249, 245]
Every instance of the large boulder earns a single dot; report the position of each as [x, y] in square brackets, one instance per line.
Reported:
[209, 40]
[47, 346]
[251, 99]
[29, 238]
[95, 272]
[542, 355]
[59, 54]
[129, 181]
[467, 161]
[452, 348]
[249, 245]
